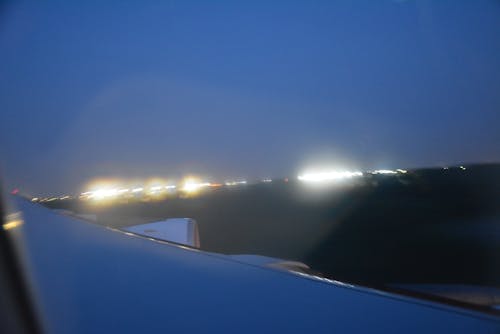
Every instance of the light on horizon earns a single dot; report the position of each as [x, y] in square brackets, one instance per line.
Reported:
[329, 176]
[235, 183]
[384, 171]
[193, 185]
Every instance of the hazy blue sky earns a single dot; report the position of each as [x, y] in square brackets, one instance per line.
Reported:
[254, 88]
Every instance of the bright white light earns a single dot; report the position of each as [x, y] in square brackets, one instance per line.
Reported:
[137, 190]
[384, 171]
[170, 187]
[266, 180]
[328, 176]
[156, 188]
[462, 168]
[192, 186]
[195, 186]
[103, 193]
[235, 183]
[402, 171]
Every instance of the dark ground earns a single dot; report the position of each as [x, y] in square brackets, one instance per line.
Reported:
[426, 226]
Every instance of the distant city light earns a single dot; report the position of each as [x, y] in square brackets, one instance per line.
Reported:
[266, 180]
[462, 168]
[328, 176]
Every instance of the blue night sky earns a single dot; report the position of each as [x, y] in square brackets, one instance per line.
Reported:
[252, 89]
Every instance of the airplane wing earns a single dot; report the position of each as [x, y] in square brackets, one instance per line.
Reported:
[87, 278]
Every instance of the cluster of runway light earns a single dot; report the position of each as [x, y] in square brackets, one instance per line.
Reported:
[109, 190]
[194, 185]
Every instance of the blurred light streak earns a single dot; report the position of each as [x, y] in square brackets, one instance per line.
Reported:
[192, 185]
[235, 183]
[12, 221]
[12, 224]
[328, 176]
[384, 171]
